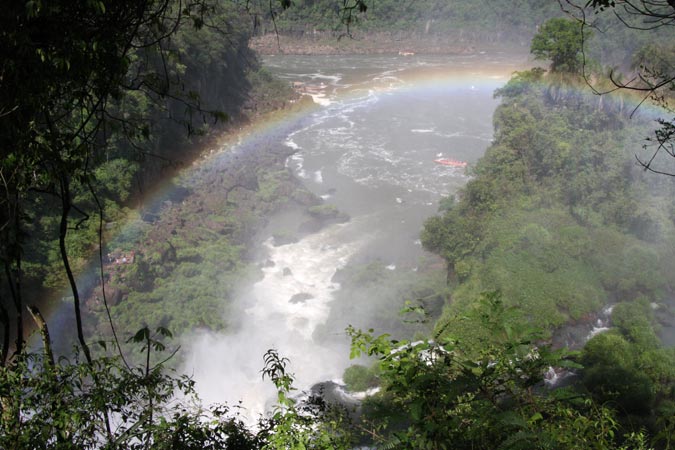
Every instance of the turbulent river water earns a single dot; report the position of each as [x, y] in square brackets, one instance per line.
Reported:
[369, 149]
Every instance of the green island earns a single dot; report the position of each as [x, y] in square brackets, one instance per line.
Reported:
[568, 214]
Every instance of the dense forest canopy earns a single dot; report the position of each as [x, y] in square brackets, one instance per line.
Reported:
[97, 98]
[646, 70]
[475, 19]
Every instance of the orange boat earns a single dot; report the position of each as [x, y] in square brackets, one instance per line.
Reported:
[450, 162]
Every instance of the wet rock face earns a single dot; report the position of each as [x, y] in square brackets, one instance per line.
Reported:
[666, 319]
[284, 239]
[574, 335]
[302, 297]
[328, 393]
[306, 198]
[321, 216]
[557, 377]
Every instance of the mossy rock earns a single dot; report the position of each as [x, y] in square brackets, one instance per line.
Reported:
[360, 378]
[327, 212]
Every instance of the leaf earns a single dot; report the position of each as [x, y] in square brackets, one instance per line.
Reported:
[416, 410]
[164, 331]
[535, 417]
[158, 346]
[141, 335]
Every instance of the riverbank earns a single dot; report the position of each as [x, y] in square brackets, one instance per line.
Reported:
[377, 43]
[180, 256]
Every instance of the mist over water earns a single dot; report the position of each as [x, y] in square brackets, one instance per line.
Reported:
[228, 366]
[369, 150]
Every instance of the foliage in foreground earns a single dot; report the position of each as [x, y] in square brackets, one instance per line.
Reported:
[73, 404]
[106, 404]
[435, 395]
[442, 395]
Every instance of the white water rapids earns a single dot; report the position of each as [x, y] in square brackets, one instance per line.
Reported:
[229, 366]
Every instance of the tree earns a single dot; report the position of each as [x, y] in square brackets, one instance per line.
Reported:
[653, 72]
[65, 63]
[560, 41]
[612, 375]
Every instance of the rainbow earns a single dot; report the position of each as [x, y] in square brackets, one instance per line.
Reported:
[472, 72]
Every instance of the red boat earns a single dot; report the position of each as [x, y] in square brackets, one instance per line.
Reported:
[450, 162]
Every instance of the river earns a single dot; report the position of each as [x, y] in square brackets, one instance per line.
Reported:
[369, 150]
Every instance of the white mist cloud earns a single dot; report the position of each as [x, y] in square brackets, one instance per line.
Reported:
[227, 368]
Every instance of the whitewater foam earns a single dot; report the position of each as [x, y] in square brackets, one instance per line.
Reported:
[422, 130]
[227, 368]
[320, 99]
[318, 176]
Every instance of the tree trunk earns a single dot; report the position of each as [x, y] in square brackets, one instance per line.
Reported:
[63, 230]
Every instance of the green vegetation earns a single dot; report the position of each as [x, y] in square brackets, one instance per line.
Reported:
[560, 222]
[324, 211]
[468, 20]
[561, 41]
[189, 262]
[628, 369]
[90, 122]
[441, 394]
[643, 28]
[105, 404]
[555, 224]
[557, 217]
[434, 393]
